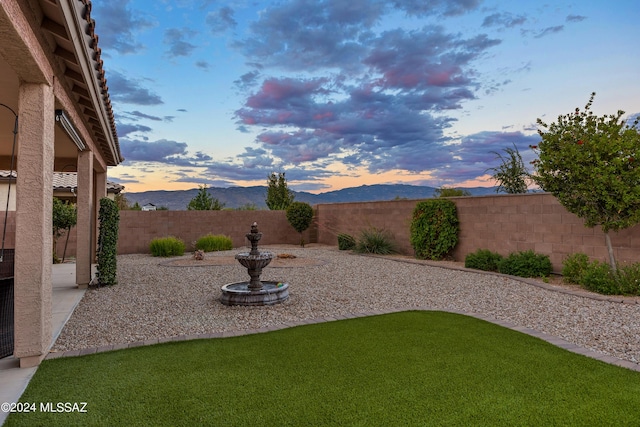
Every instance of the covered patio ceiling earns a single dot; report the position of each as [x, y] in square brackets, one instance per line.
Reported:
[84, 78]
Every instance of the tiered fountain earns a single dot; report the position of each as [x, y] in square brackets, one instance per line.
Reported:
[255, 291]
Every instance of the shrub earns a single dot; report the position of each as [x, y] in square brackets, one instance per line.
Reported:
[629, 279]
[300, 215]
[214, 242]
[526, 264]
[574, 266]
[109, 218]
[375, 241]
[434, 228]
[598, 277]
[167, 246]
[346, 242]
[483, 259]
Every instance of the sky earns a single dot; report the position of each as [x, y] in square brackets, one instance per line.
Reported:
[343, 93]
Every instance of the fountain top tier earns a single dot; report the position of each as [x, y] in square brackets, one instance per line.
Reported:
[254, 236]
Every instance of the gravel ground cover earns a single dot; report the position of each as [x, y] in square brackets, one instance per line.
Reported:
[154, 299]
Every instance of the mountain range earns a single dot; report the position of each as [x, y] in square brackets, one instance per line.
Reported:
[236, 197]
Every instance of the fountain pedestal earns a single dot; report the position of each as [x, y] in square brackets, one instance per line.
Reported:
[255, 291]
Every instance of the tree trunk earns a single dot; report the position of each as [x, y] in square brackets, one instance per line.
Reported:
[612, 260]
[66, 243]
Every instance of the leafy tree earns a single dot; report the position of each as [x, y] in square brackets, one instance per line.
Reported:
[279, 197]
[136, 207]
[300, 215]
[591, 164]
[65, 216]
[121, 201]
[203, 201]
[512, 174]
[450, 192]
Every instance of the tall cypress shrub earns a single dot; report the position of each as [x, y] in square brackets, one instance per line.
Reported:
[434, 228]
[109, 218]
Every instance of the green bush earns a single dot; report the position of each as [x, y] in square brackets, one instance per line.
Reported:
[629, 279]
[526, 264]
[598, 277]
[574, 266]
[300, 215]
[483, 259]
[434, 228]
[167, 246]
[346, 242]
[214, 242]
[375, 241]
[109, 219]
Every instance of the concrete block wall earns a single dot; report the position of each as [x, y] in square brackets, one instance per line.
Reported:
[351, 218]
[501, 223]
[138, 228]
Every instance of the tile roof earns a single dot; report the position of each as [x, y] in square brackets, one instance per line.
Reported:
[67, 181]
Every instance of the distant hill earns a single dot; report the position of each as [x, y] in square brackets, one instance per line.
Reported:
[235, 197]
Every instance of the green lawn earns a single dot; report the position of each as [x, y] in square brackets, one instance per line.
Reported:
[411, 368]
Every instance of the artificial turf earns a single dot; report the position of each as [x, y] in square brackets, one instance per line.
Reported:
[410, 368]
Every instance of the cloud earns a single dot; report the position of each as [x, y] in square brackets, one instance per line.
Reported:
[476, 153]
[388, 116]
[575, 18]
[117, 25]
[423, 8]
[325, 33]
[162, 150]
[221, 20]
[175, 39]
[203, 65]
[549, 30]
[253, 158]
[126, 129]
[247, 80]
[137, 115]
[130, 91]
[506, 20]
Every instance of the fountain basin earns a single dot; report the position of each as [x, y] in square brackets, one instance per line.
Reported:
[239, 293]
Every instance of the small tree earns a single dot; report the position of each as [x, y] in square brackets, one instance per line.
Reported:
[300, 215]
[203, 201]
[121, 201]
[65, 216]
[591, 164]
[279, 197]
[450, 192]
[512, 174]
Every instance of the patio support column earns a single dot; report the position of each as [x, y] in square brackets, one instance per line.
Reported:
[85, 247]
[34, 240]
